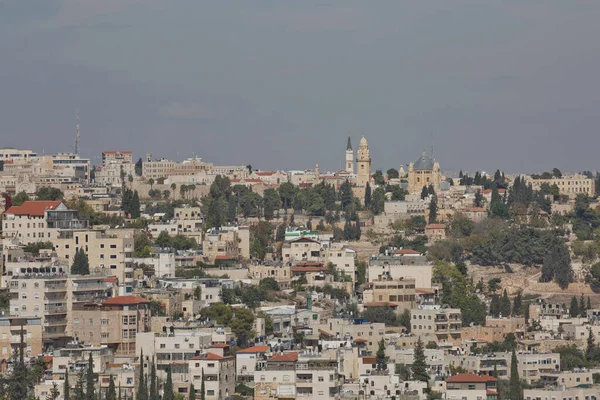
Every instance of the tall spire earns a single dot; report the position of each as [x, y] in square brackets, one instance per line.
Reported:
[349, 146]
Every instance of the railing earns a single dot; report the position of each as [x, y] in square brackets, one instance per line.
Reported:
[55, 288]
[56, 310]
[55, 323]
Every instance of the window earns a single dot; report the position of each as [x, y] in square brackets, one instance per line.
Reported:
[210, 392]
[162, 346]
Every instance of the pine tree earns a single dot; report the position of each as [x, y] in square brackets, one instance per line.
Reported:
[168, 389]
[381, 359]
[112, 391]
[153, 395]
[90, 393]
[67, 387]
[515, 381]
[574, 309]
[192, 391]
[419, 367]
[54, 393]
[367, 195]
[505, 305]
[517, 304]
[81, 264]
[142, 392]
[135, 205]
[203, 387]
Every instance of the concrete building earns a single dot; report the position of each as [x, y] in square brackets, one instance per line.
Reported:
[10, 336]
[301, 249]
[40, 221]
[437, 324]
[405, 264]
[114, 322]
[435, 232]
[568, 185]
[227, 242]
[10, 154]
[424, 171]
[117, 157]
[218, 373]
[398, 293]
[584, 392]
[109, 252]
[471, 387]
[250, 360]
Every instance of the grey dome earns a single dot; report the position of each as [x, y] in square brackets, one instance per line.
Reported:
[424, 163]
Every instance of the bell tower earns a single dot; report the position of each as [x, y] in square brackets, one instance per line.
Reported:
[349, 157]
[363, 159]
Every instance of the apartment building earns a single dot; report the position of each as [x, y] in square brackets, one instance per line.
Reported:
[396, 293]
[113, 174]
[568, 185]
[471, 387]
[117, 157]
[10, 336]
[109, 252]
[290, 375]
[533, 365]
[158, 169]
[568, 379]
[53, 297]
[281, 273]
[218, 373]
[343, 259]
[435, 232]
[250, 360]
[483, 364]
[124, 376]
[584, 392]
[226, 242]
[114, 322]
[40, 221]
[301, 249]
[437, 324]
[74, 358]
[11, 154]
[405, 263]
[72, 165]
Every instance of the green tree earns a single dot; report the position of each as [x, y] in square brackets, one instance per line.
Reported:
[54, 393]
[368, 195]
[20, 198]
[49, 193]
[378, 201]
[81, 264]
[505, 304]
[380, 357]
[271, 202]
[192, 391]
[203, 387]
[135, 205]
[494, 285]
[424, 193]
[268, 284]
[392, 173]
[478, 200]
[378, 178]
[153, 390]
[517, 304]
[404, 320]
[168, 393]
[242, 326]
[557, 265]
[433, 210]
[79, 391]
[574, 308]
[138, 167]
[142, 389]
[67, 387]
[112, 390]
[419, 366]
[515, 381]
[90, 385]
[381, 314]
[221, 313]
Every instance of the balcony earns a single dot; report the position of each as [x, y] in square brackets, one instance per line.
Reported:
[90, 287]
[53, 323]
[55, 310]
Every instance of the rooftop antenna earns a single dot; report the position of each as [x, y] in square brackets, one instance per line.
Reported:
[77, 131]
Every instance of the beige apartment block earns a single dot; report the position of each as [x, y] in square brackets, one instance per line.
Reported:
[343, 258]
[39, 221]
[435, 232]
[250, 360]
[52, 297]
[117, 157]
[109, 252]
[16, 154]
[568, 185]
[227, 242]
[396, 293]
[582, 393]
[281, 273]
[301, 249]
[124, 376]
[433, 323]
[218, 372]
[404, 264]
[114, 322]
[10, 336]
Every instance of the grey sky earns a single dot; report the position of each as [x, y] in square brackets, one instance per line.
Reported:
[280, 84]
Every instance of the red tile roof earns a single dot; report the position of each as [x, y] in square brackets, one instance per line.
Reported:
[111, 279]
[321, 331]
[219, 345]
[406, 251]
[221, 257]
[125, 301]
[470, 378]
[369, 360]
[255, 349]
[285, 357]
[208, 356]
[33, 208]
[360, 340]
[424, 291]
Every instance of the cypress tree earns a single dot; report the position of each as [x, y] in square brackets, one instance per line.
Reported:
[192, 391]
[591, 346]
[89, 380]
[67, 387]
[153, 395]
[367, 195]
[142, 392]
[168, 389]
[574, 309]
[505, 304]
[81, 264]
[515, 381]
[135, 205]
[112, 391]
[119, 390]
[419, 367]
[424, 193]
[433, 209]
[79, 391]
[517, 304]
[203, 387]
[589, 303]
[18, 382]
[381, 359]
[495, 306]
[581, 305]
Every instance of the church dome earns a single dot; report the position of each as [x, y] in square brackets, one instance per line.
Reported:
[363, 142]
[424, 163]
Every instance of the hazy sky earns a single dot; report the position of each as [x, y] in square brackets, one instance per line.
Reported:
[281, 84]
